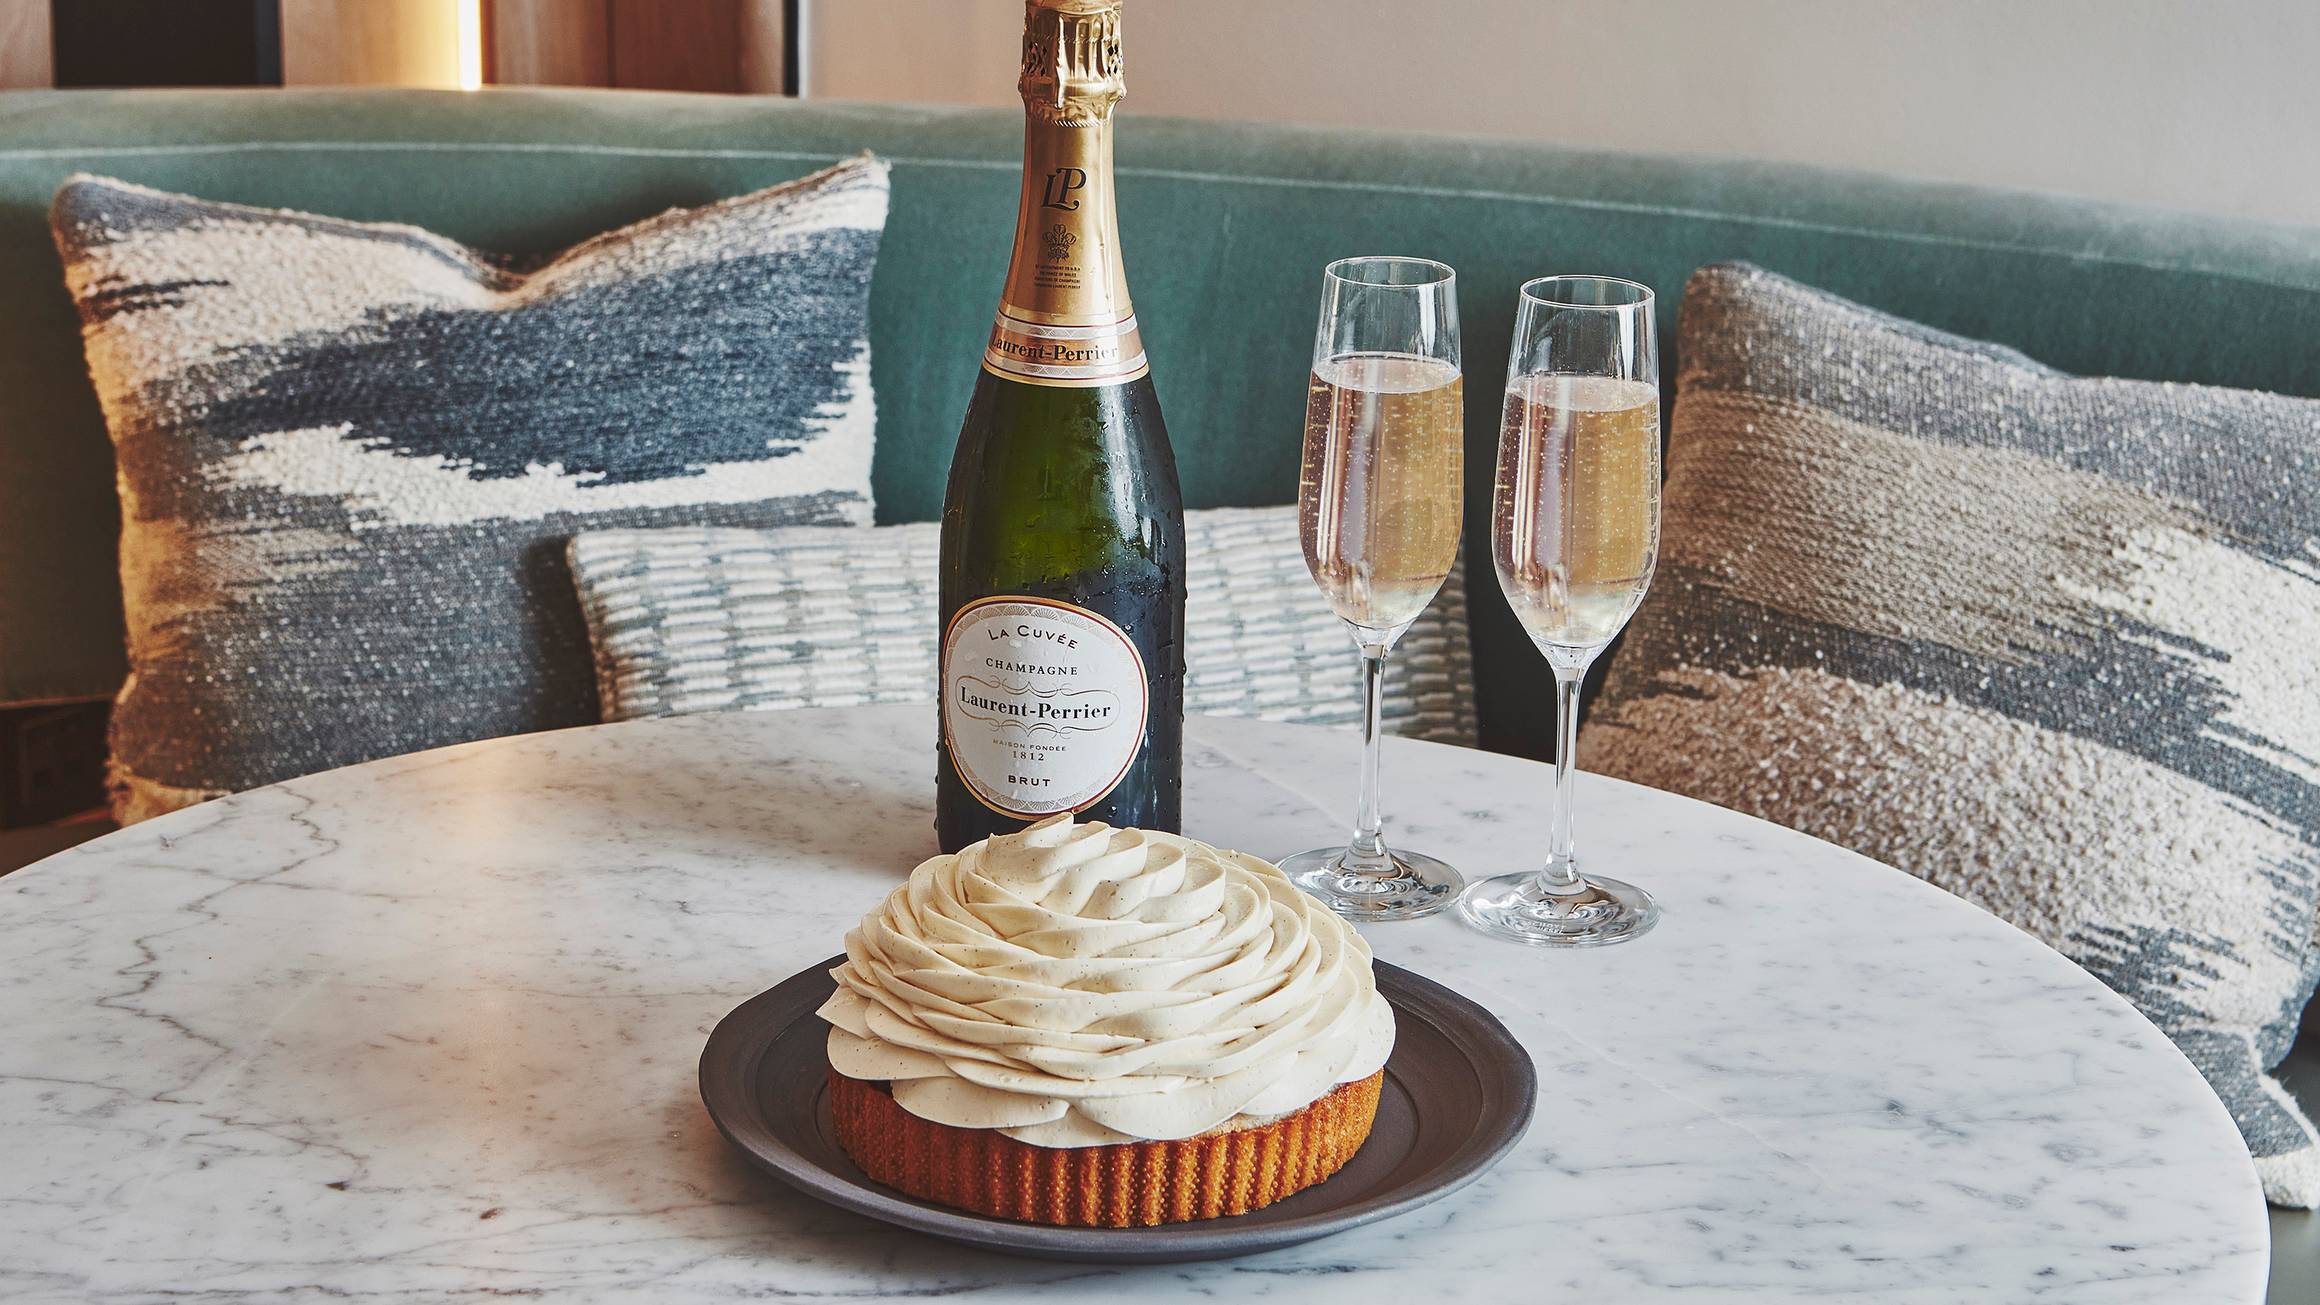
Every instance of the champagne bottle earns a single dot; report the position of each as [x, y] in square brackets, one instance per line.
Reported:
[1062, 673]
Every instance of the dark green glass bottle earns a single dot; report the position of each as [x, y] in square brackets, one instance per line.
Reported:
[1062, 672]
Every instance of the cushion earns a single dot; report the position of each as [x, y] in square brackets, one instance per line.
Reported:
[2044, 641]
[705, 620]
[350, 454]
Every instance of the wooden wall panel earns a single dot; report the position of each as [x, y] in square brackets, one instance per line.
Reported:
[24, 47]
[762, 46]
[550, 42]
[371, 43]
[677, 45]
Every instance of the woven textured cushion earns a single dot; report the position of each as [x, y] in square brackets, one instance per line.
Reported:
[2047, 642]
[350, 454]
[704, 620]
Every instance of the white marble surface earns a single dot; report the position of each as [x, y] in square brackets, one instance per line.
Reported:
[427, 1030]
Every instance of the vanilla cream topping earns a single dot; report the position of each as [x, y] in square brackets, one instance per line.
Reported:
[1076, 985]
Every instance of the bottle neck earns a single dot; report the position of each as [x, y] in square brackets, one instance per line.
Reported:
[1064, 317]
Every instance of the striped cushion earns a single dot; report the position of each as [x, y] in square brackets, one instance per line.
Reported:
[2044, 641]
[707, 620]
[351, 454]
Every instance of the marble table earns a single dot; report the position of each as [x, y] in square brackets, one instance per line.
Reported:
[427, 1029]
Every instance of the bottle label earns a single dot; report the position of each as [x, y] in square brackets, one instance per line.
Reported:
[1046, 353]
[1043, 704]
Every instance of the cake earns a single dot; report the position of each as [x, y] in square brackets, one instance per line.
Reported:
[1083, 1025]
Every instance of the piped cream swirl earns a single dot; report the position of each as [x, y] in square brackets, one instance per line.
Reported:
[1076, 985]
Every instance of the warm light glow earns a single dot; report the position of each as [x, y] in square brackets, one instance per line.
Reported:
[471, 45]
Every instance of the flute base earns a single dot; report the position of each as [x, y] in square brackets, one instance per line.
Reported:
[1515, 907]
[1416, 887]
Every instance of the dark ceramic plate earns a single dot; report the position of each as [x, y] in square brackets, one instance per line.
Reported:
[1458, 1095]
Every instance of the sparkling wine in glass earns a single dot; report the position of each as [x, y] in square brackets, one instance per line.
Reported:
[1379, 512]
[1379, 509]
[1574, 535]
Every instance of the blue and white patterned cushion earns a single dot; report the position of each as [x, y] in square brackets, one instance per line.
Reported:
[2046, 641]
[709, 620]
[351, 454]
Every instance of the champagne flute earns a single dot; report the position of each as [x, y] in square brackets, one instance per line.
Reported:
[1378, 508]
[1575, 535]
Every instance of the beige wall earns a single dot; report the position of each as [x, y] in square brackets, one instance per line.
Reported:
[24, 55]
[2205, 104]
